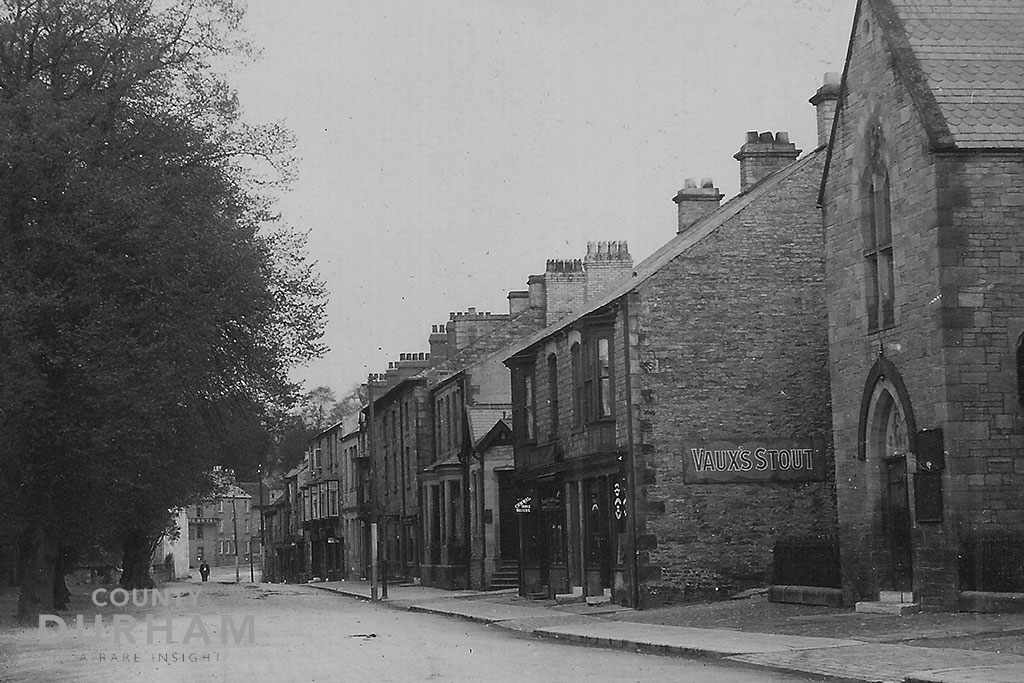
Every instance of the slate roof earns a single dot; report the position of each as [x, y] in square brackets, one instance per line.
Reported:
[668, 251]
[970, 54]
[482, 419]
[483, 348]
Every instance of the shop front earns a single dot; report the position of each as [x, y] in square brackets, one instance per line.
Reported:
[572, 530]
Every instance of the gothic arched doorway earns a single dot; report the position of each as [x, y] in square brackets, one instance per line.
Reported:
[888, 445]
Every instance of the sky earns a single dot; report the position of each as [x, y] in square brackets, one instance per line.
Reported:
[448, 148]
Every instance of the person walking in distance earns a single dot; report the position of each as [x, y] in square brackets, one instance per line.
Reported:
[204, 571]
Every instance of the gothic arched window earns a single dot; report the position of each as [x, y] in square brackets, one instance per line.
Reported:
[877, 231]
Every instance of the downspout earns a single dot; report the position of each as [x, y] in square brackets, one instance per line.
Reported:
[631, 484]
[465, 455]
[402, 540]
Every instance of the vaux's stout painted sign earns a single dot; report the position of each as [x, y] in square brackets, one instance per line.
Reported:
[753, 460]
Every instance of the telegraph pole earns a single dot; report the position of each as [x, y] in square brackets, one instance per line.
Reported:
[374, 578]
[263, 554]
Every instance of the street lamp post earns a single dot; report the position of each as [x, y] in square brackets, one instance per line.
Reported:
[234, 523]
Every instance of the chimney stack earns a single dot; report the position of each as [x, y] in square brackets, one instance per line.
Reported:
[762, 155]
[438, 341]
[536, 293]
[605, 265]
[696, 202]
[825, 101]
[564, 288]
[518, 301]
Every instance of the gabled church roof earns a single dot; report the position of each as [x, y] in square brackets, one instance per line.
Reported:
[964, 61]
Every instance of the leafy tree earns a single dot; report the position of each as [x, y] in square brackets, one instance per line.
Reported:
[348, 404]
[151, 304]
[316, 408]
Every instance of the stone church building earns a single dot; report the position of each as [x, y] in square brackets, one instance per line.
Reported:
[923, 203]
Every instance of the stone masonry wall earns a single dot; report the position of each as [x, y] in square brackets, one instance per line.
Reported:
[731, 344]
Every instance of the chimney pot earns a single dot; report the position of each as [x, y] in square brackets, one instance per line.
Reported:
[762, 155]
[696, 202]
[824, 101]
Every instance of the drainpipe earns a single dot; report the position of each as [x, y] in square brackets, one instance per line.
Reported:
[631, 483]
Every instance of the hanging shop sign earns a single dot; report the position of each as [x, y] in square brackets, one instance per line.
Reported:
[619, 500]
[524, 505]
[735, 461]
[550, 504]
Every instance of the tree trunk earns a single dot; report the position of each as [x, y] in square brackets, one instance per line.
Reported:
[39, 555]
[136, 560]
[61, 593]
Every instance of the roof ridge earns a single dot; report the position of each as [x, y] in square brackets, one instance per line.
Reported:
[674, 247]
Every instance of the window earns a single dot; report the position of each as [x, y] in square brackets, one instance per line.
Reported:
[200, 553]
[530, 406]
[1020, 372]
[199, 510]
[577, 385]
[523, 407]
[437, 425]
[604, 377]
[598, 396]
[447, 423]
[199, 532]
[332, 493]
[395, 450]
[877, 232]
[553, 394]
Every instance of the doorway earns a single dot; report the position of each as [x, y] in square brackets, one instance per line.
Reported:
[898, 575]
[889, 446]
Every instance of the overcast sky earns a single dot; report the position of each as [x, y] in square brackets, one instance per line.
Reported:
[449, 148]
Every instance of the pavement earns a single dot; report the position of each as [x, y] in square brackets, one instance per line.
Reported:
[928, 648]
